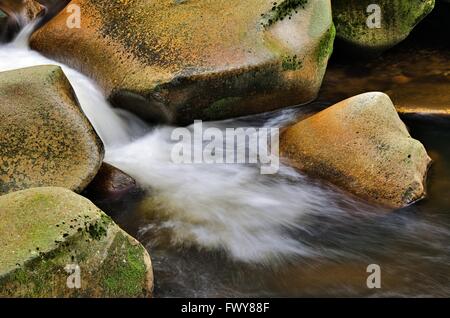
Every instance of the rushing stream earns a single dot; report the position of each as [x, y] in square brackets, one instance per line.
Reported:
[227, 230]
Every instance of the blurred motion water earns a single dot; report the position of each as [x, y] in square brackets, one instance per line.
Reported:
[227, 230]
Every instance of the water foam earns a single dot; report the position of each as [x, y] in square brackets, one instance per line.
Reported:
[228, 207]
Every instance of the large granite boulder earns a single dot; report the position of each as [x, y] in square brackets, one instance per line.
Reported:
[362, 146]
[58, 244]
[46, 140]
[178, 61]
[397, 19]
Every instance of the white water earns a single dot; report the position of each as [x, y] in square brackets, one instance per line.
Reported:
[111, 129]
[227, 207]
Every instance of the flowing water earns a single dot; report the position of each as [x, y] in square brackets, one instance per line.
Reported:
[227, 230]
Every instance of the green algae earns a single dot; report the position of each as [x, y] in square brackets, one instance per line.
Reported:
[291, 63]
[326, 45]
[221, 108]
[398, 18]
[71, 231]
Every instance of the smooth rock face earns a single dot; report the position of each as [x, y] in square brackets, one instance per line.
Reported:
[361, 145]
[111, 185]
[398, 18]
[178, 61]
[44, 230]
[46, 138]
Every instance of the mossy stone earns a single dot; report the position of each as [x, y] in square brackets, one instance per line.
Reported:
[44, 230]
[398, 18]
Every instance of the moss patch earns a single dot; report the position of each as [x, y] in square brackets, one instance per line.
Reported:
[282, 10]
[291, 63]
[125, 274]
[398, 18]
[45, 229]
[325, 48]
[221, 108]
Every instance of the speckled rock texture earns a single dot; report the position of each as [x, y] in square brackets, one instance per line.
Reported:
[362, 146]
[46, 140]
[44, 230]
[398, 18]
[176, 61]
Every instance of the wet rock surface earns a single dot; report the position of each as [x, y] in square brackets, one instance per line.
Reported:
[396, 19]
[48, 234]
[178, 61]
[361, 145]
[46, 138]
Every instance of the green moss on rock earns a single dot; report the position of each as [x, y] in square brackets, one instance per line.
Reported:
[325, 48]
[222, 108]
[291, 63]
[398, 18]
[43, 230]
[128, 271]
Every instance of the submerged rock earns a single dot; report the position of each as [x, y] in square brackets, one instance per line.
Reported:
[46, 140]
[397, 19]
[361, 145]
[47, 234]
[178, 61]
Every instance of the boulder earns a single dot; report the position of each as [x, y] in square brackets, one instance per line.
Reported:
[176, 61]
[398, 18]
[362, 146]
[111, 185]
[56, 243]
[46, 138]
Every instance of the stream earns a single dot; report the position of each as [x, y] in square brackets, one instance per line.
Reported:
[228, 231]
